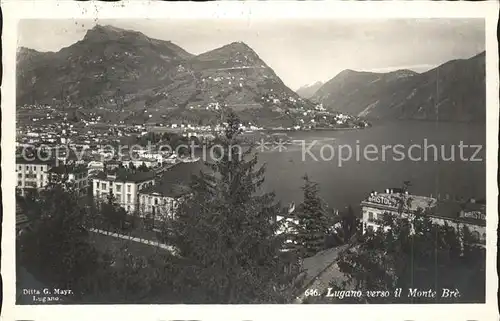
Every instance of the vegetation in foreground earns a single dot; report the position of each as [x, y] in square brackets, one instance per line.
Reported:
[227, 248]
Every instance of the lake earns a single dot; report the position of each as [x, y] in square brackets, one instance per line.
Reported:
[350, 181]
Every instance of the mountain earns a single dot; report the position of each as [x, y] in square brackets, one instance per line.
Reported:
[308, 91]
[151, 80]
[107, 59]
[454, 91]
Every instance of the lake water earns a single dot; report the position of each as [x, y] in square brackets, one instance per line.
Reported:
[350, 181]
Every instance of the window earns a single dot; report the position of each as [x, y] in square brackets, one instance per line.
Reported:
[370, 217]
[20, 167]
[104, 185]
[128, 188]
[30, 184]
[118, 188]
[476, 235]
[19, 183]
[20, 175]
[369, 228]
[97, 184]
[129, 198]
[156, 201]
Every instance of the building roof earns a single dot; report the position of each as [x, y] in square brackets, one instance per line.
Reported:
[166, 190]
[34, 161]
[65, 169]
[175, 181]
[458, 212]
[113, 162]
[124, 175]
[390, 201]
[181, 173]
[452, 210]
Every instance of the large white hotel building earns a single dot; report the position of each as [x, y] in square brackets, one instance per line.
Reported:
[458, 214]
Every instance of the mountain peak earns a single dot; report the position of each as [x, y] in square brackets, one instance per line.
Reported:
[108, 32]
[240, 44]
[347, 72]
[403, 73]
[307, 91]
[22, 50]
[237, 52]
[238, 47]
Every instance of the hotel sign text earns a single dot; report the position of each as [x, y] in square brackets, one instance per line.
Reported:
[478, 215]
[381, 200]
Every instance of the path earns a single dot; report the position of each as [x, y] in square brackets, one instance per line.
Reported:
[169, 248]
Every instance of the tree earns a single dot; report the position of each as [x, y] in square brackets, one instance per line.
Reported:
[114, 215]
[313, 221]
[59, 251]
[55, 249]
[143, 168]
[225, 231]
[131, 166]
[350, 225]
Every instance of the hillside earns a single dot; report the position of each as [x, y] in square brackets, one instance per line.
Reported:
[454, 91]
[131, 77]
[308, 91]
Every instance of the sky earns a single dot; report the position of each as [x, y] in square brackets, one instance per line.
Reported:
[301, 51]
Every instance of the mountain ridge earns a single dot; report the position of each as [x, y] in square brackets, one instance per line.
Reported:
[307, 91]
[155, 79]
[448, 92]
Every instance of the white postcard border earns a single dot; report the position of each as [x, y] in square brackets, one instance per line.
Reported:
[14, 10]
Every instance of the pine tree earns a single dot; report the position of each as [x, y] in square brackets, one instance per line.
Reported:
[349, 226]
[313, 221]
[226, 231]
[55, 249]
[143, 167]
[113, 214]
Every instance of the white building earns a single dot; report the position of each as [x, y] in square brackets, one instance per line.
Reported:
[32, 173]
[124, 185]
[36, 174]
[95, 166]
[455, 214]
[76, 175]
[148, 162]
[161, 200]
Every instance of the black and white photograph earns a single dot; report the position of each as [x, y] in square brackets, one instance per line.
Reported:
[251, 161]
